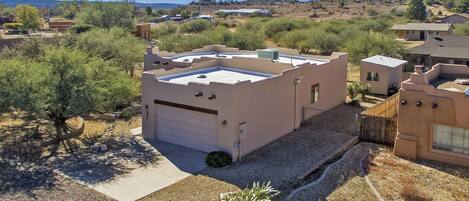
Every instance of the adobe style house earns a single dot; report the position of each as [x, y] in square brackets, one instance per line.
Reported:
[144, 30]
[59, 24]
[457, 18]
[441, 49]
[433, 120]
[381, 73]
[219, 98]
[420, 31]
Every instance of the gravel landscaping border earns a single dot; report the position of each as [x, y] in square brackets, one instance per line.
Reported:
[335, 174]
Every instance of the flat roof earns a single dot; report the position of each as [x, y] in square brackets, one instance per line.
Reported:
[385, 61]
[215, 74]
[287, 59]
[451, 84]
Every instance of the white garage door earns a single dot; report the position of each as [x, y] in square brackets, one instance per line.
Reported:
[188, 128]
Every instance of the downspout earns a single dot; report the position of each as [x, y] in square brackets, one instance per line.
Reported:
[296, 81]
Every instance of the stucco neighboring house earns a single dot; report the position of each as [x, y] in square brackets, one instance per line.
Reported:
[441, 49]
[457, 18]
[218, 98]
[381, 73]
[420, 31]
[60, 24]
[433, 120]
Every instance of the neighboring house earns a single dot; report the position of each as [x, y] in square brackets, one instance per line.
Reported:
[236, 101]
[381, 73]
[59, 24]
[433, 120]
[144, 30]
[420, 31]
[245, 11]
[457, 18]
[204, 17]
[177, 17]
[441, 49]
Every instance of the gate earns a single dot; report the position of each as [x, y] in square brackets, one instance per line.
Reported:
[379, 123]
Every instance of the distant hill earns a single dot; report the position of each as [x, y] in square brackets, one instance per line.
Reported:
[52, 3]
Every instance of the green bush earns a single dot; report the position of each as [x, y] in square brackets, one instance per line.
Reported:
[165, 29]
[13, 25]
[80, 28]
[195, 26]
[277, 26]
[258, 192]
[218, 159]
[461, 29]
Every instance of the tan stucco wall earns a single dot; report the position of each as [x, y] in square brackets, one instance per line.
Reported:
[415, 124]
[267, 106]
[415, 34]
[387, 76]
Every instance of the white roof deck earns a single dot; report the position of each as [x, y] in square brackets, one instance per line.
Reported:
[215, 74]
[385, 61]
[295, 61]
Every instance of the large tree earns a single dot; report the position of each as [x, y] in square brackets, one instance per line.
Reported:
[65, 83]
[416, 10]
[108, 15]
[29, 16]
[115, 45]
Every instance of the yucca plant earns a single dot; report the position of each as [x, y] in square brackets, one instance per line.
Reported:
[258, 192]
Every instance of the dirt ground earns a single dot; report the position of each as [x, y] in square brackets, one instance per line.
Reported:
[323, 10]
[26, 176]
[399, 179]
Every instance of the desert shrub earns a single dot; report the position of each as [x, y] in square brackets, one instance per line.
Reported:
[410, 193]
[184, 43]
[245, 40]
[357, 91]
[369, 44]
[274, 27]
[13, 25]
[80, 28]
[218, 159]
[461, 29]
[165, 29]
[258, 191]
[195, 26]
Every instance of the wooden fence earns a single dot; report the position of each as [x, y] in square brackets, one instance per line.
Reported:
[379, 123]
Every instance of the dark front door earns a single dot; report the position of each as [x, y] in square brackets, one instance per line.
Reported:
[422, 35]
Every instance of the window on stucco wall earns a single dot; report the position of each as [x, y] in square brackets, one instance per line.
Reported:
[372, 76]
[314, 93]
[451, 139]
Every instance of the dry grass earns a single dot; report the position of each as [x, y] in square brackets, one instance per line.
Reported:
[354, 189]
[353, 72]
[399, 179]
[193, 188]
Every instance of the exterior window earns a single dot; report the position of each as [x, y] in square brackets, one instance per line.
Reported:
[437, 32]
[314, 93]
[407, 32]
[451, 139]
[430, 32]
[372, 76]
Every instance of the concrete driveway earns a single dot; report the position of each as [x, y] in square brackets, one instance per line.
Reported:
[175, 164]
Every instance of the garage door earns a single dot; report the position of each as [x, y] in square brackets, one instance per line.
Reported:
[186, 127]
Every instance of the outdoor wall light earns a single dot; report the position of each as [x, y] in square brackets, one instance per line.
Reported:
[434, 105]
[199, 94]
[404, 102]
[213, 96]
[224, 122]
[419, 103]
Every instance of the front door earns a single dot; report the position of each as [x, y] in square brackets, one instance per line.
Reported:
[422, 35]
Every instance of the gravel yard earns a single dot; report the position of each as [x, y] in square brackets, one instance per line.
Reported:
[279, 162]
[335, 175]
